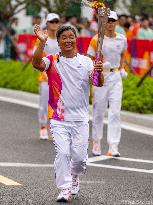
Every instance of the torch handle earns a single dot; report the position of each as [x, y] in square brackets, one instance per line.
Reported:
[102, 21]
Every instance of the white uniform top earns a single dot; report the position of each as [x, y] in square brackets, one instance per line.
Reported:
[51, 46]
[112, 49]
[69, 84]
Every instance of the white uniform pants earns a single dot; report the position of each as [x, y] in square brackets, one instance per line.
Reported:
[112, 94]
[43, 103]
[71, 144]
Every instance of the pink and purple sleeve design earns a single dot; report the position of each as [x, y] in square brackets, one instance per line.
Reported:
[55, 104]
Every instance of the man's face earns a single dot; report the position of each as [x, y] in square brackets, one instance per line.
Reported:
[53, 24]
[145, 24]
[73, 20]
[36, 20]
[110, 26]
[67, 41]
[122, 20]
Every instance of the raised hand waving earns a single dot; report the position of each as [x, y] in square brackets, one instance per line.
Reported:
[41, 35]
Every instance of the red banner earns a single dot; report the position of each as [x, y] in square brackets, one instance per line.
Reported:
[25, 46]
[139, 54]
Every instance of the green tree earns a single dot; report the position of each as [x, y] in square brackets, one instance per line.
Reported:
[9, 8]
[138, 7]
[111, 3]
[66, 7]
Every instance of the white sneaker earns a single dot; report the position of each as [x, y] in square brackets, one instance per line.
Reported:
[96, 149]
[113, 151]
[75, 185]
[43, 134]
[64, 196]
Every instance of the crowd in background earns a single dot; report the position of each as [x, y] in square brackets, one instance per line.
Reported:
[133, 27]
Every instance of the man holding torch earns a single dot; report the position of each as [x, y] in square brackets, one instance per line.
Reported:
[69, 74]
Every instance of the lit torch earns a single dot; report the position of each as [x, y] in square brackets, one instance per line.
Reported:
[103, 13]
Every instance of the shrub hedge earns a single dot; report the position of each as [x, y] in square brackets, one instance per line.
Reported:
[138, 99]
[13, 75]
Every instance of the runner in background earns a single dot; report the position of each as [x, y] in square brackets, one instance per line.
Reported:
[113, 49]
[51, 47]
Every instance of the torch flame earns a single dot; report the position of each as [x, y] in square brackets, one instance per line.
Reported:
[97, 4]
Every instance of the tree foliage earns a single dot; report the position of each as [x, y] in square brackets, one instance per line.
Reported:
[111, 3]
[142, 7]
[9, 8]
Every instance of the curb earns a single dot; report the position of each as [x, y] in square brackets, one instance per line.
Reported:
[20, 97]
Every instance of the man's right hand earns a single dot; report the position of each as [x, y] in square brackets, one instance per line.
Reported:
[42, 36]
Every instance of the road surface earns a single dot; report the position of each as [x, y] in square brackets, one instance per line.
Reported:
[27, 174]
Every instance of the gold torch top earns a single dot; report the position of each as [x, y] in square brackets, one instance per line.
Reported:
[97, 4]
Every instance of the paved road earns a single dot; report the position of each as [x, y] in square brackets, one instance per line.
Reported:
[29, 162]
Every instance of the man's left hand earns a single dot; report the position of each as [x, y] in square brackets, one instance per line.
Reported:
[98, 66]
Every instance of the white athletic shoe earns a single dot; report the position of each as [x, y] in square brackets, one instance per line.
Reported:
[43, 134]
[75, 185]
[96, 149]
[113, 151]
[64, 196]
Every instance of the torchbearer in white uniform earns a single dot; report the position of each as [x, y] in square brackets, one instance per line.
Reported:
[69, 75]
[113, 51]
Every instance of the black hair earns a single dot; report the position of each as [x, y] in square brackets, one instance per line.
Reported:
[127, 25]
[144, 18]
[65, 28]
[37, 17]
[71, 16]
[122, 15]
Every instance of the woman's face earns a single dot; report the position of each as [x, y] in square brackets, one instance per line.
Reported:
[67, 41]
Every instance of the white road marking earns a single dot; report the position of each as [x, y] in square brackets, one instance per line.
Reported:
[92, 182]
[95, 159]
[126, 126]
[120, 168]
[6, 164]
[89, 163]
[7, 181]
[19, 102]
[103, 157]
[136, 128]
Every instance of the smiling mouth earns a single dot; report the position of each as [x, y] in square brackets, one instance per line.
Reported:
[68, 46]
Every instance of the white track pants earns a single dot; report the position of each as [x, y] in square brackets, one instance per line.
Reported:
[43, 104]
[71, 144]
[112, 94]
